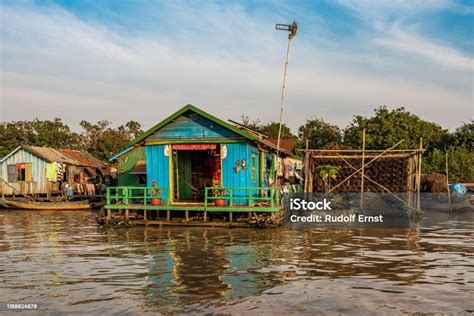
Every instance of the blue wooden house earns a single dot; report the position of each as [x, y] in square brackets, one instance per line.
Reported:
[194, 158]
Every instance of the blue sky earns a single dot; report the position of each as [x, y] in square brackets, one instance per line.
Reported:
[142, 60]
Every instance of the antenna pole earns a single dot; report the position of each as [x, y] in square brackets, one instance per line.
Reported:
[292, 29]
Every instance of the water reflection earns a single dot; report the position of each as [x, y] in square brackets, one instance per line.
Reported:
[65, 263]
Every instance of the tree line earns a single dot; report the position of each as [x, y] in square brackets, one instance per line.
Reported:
[383, 129]
[100, 139]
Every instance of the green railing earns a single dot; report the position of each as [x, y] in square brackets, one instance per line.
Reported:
[255, 198]
[244, 196]
[134, 195]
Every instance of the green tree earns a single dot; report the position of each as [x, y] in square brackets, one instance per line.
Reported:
[37, 132]
[103, 141]
[319, 133]
[387, 127]
[270, 129]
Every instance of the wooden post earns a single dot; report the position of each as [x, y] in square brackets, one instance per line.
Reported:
[144, 215]
[447, 182]
[109, 215]
[186, 214]
[168, 215]
[205, 216]
[230, 217]
[363, 171]
[418, 180]
[126, 214]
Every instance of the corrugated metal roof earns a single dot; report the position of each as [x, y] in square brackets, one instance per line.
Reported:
[66, 156]
[84, 158]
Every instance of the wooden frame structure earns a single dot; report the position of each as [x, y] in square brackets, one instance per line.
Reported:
[367, 157]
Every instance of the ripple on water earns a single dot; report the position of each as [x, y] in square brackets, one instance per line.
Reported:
[63, 261]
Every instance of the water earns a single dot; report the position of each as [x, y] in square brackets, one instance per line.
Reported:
[65, 263]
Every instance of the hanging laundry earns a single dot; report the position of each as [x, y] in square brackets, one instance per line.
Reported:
[51, 172]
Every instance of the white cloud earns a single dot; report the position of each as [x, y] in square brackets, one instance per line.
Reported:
[224, 59]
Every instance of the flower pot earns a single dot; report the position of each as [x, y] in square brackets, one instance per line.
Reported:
[220, 202]
[155, 201]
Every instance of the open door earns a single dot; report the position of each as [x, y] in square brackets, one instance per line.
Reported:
[194, 169]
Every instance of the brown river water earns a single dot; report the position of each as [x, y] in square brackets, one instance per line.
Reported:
[66, 264]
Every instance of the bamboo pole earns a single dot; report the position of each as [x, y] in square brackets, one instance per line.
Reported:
[415, 150]
[418, 178]
[363, 171]
[365, 165]
[360, 156]
[282, 102]
[447, 182]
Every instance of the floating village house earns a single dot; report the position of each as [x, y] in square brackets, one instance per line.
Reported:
[32, 170]
[190, 151]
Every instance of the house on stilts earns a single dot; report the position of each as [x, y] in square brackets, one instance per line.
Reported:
[194, 167]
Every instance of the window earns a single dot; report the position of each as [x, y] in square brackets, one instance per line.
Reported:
[19, 172]
[254, 168]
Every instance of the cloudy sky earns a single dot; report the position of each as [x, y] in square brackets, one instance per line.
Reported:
[143, 60]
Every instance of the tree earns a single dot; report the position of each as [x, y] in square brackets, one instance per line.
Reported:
[269, 129]
[386, 128]
[36, 133]
[319, 133]
[103, 141]
[464, 136]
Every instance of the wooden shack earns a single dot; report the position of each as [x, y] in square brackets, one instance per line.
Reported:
[33, 170]
[190, 155]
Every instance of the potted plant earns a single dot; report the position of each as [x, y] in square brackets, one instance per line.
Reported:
[219, 191]
[155, 191]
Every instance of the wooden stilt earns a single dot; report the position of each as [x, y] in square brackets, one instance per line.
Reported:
[144, 215]
[168, 215]
[186, 214]
[109, 215]
[126, 214]
[205, 216]
[230, 217]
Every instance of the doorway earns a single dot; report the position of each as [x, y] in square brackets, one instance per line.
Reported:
[194, 169]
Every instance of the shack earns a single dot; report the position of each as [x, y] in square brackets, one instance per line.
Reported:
[33, 170]
[193, 159]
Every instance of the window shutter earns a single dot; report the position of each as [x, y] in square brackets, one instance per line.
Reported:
[11, 170]
[28, 172]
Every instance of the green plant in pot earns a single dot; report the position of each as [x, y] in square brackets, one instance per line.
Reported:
[219, 192]
[155, 193]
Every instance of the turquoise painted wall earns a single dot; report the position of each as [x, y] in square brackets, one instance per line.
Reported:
[192, 125]
[231, 178]
[157, 167]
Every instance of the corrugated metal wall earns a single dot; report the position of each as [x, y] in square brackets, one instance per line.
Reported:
[157, 166]
[39, 184]
[243, 178]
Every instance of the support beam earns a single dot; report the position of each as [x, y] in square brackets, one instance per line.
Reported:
[168, 215]
[186, 214]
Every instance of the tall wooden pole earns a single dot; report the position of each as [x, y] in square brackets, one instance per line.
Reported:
[282, 101]
[447, 181]
[363, 171]
[418, 177]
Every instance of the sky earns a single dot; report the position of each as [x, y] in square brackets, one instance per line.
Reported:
[143, 60]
